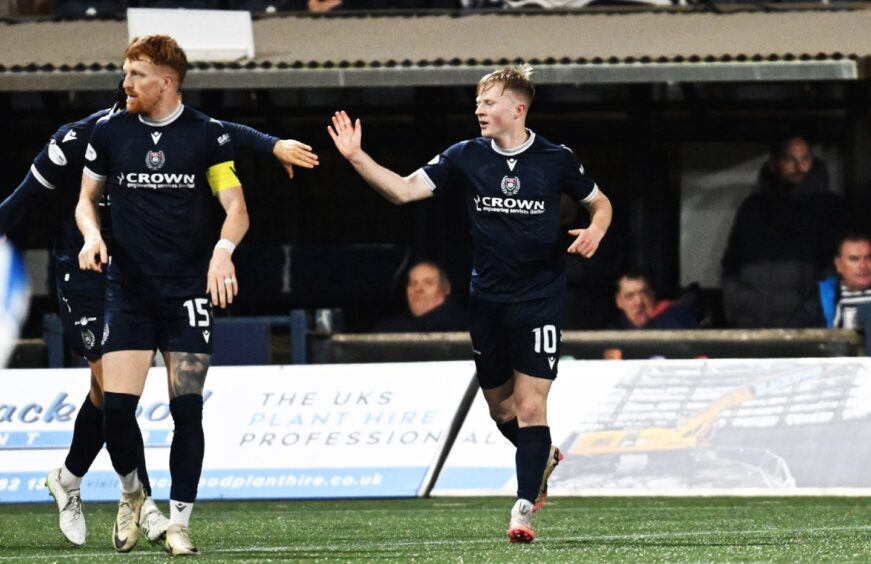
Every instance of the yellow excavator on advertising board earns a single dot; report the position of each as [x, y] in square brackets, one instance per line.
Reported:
[692, 433]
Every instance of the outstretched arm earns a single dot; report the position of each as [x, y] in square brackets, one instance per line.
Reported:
[93, 254]
[29, 193]
[288, 151]
[348, 138]
[587, 240]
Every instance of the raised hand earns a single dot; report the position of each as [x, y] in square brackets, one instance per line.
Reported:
[347, 136]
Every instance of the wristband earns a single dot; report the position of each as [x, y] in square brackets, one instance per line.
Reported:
[226, 244]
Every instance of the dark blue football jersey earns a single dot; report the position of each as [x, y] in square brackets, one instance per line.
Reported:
[512, 198]
[158, 177]
[58, 167]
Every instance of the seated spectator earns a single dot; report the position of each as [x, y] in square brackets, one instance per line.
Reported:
[782, 238]
[640, 309]
[844, 300]
[320, 6]
[429, 308]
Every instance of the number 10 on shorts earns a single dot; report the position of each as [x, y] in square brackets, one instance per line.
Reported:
[545, 338]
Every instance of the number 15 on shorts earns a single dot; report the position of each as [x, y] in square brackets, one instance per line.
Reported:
[198, 312]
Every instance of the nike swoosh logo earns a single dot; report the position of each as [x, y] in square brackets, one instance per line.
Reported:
[119, 543]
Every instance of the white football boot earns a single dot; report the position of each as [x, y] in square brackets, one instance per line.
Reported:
[151, 520]
[520, 526]
[69, 502]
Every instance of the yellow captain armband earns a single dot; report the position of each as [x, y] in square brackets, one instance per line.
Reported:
[222, 176]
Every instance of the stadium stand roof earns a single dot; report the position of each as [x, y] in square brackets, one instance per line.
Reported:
[443, 49]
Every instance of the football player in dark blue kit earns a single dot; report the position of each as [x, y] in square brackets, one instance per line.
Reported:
[161, 163]
[57, 173]
[512, 181]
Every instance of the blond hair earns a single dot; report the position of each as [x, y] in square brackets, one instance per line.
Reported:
[514, 78]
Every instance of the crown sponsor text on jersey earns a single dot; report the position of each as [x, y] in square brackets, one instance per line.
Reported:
[137, 178]
[509, 205]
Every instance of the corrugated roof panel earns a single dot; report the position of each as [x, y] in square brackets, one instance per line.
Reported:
[443, 49]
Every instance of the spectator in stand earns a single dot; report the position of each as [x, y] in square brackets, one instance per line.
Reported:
[844, 299]
[641, 310]
[782, 238]
[320, 6]
[429, 308]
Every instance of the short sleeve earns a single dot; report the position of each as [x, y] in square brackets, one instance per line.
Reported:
[575, 183]
[221, 171]
[57, 157]
[220, 144]
[96, 152]
[441, 173]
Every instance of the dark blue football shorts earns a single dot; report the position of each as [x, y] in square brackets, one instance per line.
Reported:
[523, 336]
[150, 312]
[81, 300]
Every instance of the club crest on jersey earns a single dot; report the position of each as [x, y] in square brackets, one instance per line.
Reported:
[88, 339]
[154, 160]
[510, 185]
[56, 154]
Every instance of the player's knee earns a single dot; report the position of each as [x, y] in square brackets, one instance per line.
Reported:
[187, 410]
[530, 411]
[119, 409]
[502, 412]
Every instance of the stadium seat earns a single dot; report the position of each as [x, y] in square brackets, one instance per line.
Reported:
[241, 341]
[85, 9]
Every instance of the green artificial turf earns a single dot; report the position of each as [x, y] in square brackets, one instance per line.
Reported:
[807, 529]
